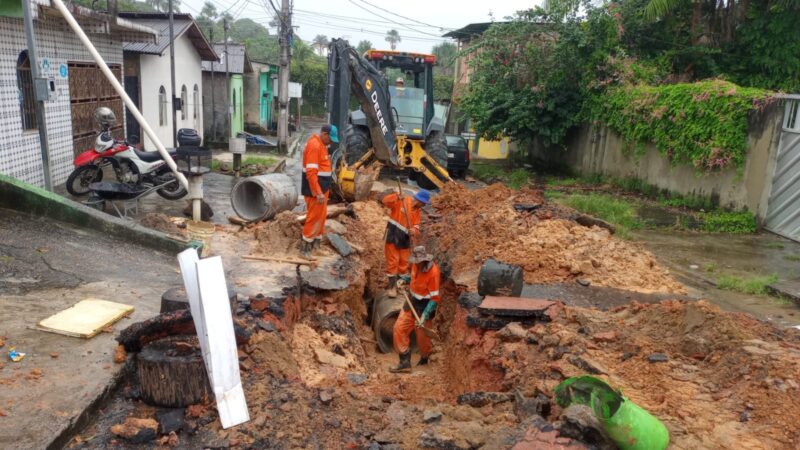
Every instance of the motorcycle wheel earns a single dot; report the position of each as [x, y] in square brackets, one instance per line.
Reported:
[79, 180]
[172, 191]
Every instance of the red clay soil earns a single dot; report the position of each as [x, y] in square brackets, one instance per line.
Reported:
[481, 224]
[730, 381]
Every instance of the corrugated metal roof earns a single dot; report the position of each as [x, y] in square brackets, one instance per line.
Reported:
[183, 23]
[238, 60]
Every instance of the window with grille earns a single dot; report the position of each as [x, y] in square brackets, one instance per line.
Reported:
[184, 102]
[196, 100]
[162, 106]
[27, 102]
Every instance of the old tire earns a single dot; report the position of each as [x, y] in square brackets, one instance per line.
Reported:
[173, 191]
[436, 147]
[357, 143]
[79, 180]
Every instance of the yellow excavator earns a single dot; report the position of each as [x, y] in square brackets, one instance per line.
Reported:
[395, 126]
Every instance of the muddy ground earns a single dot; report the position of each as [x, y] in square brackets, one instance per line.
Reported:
[313, 377]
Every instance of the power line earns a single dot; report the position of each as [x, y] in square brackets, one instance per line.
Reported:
[333, 26]
[382, 17]
[349, 18]
[404, 17]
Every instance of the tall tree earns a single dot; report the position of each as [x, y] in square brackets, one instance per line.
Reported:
[393, 37]
[363, 46]
[207, 18]
[163, 5]
[445, 58]
[320, 43]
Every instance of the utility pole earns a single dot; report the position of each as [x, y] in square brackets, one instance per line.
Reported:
[213, 103]
[40, 93]
[172, 75]
[283, 89]
[237, 158]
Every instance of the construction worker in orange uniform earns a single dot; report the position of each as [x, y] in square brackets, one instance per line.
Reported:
[403, 224]
[315, 186]
[424, 290]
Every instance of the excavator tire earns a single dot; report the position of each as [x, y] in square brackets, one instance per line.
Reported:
[436, 148]
[357, 143]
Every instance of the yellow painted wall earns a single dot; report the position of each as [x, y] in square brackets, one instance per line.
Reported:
[490, 149]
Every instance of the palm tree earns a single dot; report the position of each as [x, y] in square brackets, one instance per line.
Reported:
[393, 37]
[363, 46]
[320, 43]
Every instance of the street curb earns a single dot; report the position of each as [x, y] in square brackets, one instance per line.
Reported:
[26, 198]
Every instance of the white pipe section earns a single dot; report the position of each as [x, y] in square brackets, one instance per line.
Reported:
[120, 90]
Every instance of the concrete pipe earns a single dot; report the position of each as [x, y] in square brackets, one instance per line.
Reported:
[384, 314]
[264, 196]
[498, 278]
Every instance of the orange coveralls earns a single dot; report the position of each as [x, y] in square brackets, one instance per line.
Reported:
[316, 180]
[398, 239]
[424, 286]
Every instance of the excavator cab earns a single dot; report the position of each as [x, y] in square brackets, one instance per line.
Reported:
[395, 124]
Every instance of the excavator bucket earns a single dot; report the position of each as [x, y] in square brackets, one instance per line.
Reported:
[355, 185]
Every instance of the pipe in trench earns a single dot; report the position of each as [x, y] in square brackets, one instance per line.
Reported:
[385, 310]
[263, 196]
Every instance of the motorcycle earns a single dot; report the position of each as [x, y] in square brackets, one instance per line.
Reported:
[130, 165]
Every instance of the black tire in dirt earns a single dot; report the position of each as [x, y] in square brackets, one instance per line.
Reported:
[357, 143]
[436, 147]
[172, 191]
[79, 180]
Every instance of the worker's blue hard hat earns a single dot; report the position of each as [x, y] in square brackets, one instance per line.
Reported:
[423, 196]
[332, 131]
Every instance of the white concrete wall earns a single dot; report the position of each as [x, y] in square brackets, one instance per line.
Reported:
[155, 72]
[20, 151]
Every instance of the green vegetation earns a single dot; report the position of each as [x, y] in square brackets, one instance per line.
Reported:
[703, 124]
[736, 222]
[488, 173]
[619, 212]
[518, 178]
[756, 285]
[690, 202]
[711, 267]
[262, 160]
[775, 245]
[794, 258]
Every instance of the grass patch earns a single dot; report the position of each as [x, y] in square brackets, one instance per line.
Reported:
[518, 179]
[754, 286]
[689, 202]
[775, 245]
[735, 222]
[711, 267]
[487, 172]
[256, 160]
[557, 182]
[215, 164]
[620, 212]
[792, 257]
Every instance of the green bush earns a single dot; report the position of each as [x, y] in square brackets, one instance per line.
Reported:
[518, 179]
[703, 124]
[736, 222]
[753, 286]
[487, 172]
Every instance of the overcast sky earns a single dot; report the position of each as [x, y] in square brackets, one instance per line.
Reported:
[355, 20]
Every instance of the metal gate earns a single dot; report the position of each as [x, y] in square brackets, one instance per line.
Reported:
[88, 90]
[783, 211]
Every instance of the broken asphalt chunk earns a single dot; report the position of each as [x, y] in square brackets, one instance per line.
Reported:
[170, 420]
[430, 416]
[339, 244]
[657, 358]
[482, 398]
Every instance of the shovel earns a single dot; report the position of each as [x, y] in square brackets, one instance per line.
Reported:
[428, 332]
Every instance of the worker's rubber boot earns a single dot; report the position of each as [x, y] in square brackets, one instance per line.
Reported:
[423, 361]
[392, 288]
[405, 363]
[306, 249]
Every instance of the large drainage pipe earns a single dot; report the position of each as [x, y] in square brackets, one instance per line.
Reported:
[497, 278]
[264, 196]
[384, 314]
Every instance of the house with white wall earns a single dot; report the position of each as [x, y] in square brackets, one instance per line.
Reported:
[75, 84]
[148, 77]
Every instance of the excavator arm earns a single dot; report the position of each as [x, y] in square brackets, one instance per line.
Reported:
[350, 74]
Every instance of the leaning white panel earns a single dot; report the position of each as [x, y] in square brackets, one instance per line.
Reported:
[188, 260]
[216, 314]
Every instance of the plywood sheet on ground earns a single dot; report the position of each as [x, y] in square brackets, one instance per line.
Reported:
[86, 318]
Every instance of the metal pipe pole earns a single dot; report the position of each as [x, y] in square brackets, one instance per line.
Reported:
[213, 103]
[59, 4]
[229, 120]
[283, 89]
[172, 75]
[41, 122]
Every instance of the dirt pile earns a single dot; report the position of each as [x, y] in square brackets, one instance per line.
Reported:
[160, 222]
[716, 379]
[280, 235]
[481, 224]
[366, 230]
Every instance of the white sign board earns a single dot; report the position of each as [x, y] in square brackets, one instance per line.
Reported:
[237, 145]
[295, 90]
[211, 311]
